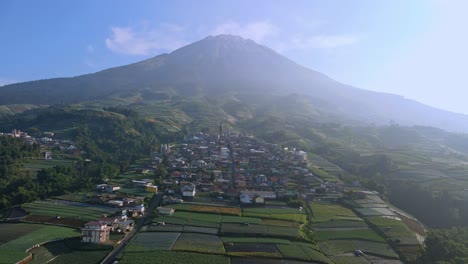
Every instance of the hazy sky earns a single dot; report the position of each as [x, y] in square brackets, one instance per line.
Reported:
[414, 48]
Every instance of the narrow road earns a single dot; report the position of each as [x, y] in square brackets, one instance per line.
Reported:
[111, 257]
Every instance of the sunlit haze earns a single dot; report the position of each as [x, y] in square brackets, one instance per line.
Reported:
[412, 48]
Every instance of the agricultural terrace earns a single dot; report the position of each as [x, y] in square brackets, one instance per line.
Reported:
[392, 227]
[35, 165]
[64, 209]
[69, 251]
[199, 243]
[170, 257]
[203, 208]
[323, 212]
[339, 247]
[359, 234]
[283, 213]
[148, 241]
[14, 246]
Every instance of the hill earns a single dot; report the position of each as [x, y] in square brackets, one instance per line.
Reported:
[242, 74]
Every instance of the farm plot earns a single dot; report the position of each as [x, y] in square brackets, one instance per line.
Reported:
[282, 231]
[198, 229]
[376, 211]
[170, 257]
[10, 232]
[70, 251]
[163, 228]
[277, 222]
[340, 224]
[234, 228]
[240, 219]
[198, 217]
[148, 241]
[362, 234]
[300, 218]
[258, 240]
[80, 211]
[323, 212]
[192, 219]
[271, 210]
[15, 250]
[223, 210]
[36, 165]
[391, 227]
[253, 250]
[337, 247]
[376, 248]
[301, 253]
[246, 260]
[199, 243]
[351, 259]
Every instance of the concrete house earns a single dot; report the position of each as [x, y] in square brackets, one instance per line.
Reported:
[95, 232]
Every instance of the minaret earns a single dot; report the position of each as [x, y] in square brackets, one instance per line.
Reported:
[220, 133]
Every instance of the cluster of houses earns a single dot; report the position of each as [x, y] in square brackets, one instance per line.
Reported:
[232, 165]
[46, 140]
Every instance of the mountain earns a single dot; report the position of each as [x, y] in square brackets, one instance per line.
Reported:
[250, 74]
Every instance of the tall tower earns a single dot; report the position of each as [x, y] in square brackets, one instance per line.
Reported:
[220, 130]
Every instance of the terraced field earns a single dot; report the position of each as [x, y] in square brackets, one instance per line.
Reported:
[80, 211]
[15, 250]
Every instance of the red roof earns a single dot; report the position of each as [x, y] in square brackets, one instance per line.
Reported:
[94, 223]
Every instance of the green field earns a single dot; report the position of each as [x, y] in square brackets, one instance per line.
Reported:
[170, 257]
[323, 212]
[199, 243]
[70, 251]
[240, 219]
[208, 208]
[38, 164]
[198, 217]
[300, 218]
[263, 240]
[302, 253]
[340, 224]
[15, 250]
[148, 241]
[84, 212]
[363, 234]
[337, 247]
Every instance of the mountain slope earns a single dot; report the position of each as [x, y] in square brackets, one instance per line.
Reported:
[232, 66]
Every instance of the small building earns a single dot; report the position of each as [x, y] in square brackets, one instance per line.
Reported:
[152, 189]
[95, 232]
[166, 210]
[111, 222]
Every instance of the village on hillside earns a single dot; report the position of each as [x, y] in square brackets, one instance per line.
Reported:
[233, 195]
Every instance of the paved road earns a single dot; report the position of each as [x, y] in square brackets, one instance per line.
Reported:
[111, 257]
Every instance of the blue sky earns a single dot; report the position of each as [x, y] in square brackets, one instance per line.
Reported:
[413, 48]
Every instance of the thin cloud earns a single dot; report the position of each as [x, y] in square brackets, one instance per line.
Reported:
[323, 41]
[144, 40]
[258, 31]
[89, 48]
[5, 81]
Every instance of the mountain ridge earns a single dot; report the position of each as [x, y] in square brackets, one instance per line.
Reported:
[227, 64]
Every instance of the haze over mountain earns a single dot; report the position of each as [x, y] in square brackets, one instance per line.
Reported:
[228, 65]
